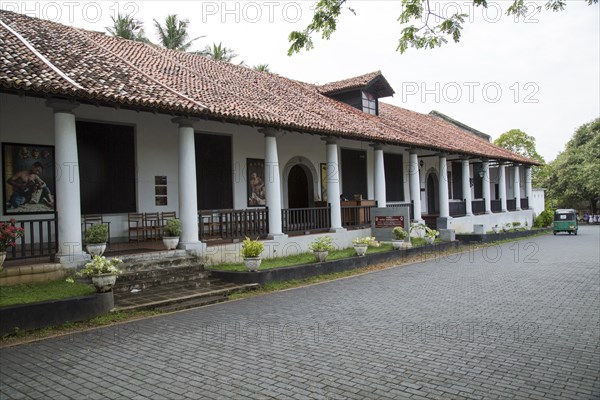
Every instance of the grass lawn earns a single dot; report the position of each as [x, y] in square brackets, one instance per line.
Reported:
[299, 259]
[42, 291]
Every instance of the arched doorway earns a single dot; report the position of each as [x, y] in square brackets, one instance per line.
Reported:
[432, 194]
[298, 187]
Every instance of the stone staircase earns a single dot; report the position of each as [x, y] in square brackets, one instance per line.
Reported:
[168, 281]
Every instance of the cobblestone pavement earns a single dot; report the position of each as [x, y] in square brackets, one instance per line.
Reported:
[518, 320]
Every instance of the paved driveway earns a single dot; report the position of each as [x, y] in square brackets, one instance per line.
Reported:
[520, 320]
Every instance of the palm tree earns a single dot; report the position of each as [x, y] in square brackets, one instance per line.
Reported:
[263, 68]
[127, 27]
[219, 52]
[174, 34]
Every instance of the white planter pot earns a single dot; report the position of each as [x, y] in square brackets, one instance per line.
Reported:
[429, 240]
[495, 229]
[320, 256]
[104, 282]
[361, 249]
[252, 263]
[401, 244]
[2, 258]
[95, 249]
[170, 242]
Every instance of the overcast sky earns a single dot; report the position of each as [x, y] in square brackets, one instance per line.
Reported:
[540, 74]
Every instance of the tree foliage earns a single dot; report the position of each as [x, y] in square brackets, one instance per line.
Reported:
[423, 33]
[219, 52]
[521, 143]
[173, 35]
[263, 68]
[573, 178]
[127, 27]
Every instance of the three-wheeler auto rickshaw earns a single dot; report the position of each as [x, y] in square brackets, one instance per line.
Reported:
[565, 220]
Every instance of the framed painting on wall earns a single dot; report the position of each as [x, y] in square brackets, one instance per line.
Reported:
[323, 182]
[28, 179]
[255, 169]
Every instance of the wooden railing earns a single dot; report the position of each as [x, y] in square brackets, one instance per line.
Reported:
[233, 224]
[525, 203]
[356, 216]
[40, 239]
[458, 208]
[511, 204]
[305, 219]
[496, 206]
[478, 206]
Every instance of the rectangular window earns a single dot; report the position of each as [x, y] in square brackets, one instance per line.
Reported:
[457, 192]
[394, 177]
[354, 173]
[214, 178]
[369, 103]
[106, 154]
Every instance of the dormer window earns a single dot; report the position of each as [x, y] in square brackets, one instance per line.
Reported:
[369, 103]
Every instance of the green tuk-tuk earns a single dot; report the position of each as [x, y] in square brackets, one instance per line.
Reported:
[565, 220]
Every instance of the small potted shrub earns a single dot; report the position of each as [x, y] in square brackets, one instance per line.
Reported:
[251, 251]
[496, 228]
[430, 235]
[171, 233]
[96, 237]
[361, 245]
[9, 233]
[507, 227]
[419, 229]
[321, 247]
[103, 272]
[400, 236]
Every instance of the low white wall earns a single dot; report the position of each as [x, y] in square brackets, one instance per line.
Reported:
[465, 224]
[279, 247]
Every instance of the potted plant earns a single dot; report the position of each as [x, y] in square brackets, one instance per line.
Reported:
[496, 228]
[9, 233]
[103, 272]
[321, 247]
[96, 237]
[361, 245]
[507, 227]
[251, 250]
[430, 235]
[419, 229]
[400, 236]
[171, 233]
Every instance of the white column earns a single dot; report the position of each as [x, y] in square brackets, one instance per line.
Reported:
[415, 186]
[443, 184]
[466, 186]
[379, 172]
[517, 189]
[68, 197]
[333, 184]
[486, 187]
[188, 200]
[272, 182]
[502, 185]
[528, 185]
[406, 177]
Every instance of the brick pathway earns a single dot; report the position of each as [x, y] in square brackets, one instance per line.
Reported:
[518, 320]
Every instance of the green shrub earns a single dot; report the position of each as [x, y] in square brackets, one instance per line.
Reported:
[173, 228]
[544, 219]
[399, 233]
[251, 248]
[322, 243]
[97, 233]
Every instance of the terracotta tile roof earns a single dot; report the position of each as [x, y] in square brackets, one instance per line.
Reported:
[46, 58]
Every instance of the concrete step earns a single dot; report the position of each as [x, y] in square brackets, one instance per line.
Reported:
[136, 265]
[177, 296]
[147, 278]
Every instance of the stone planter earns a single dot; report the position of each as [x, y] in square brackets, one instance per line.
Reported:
[320, 256]
[104, 282]
[95, 249]
[2, 258]
[361, 249]
[252, 263]
[170, 242]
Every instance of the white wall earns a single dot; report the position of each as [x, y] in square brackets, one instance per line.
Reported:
[538, 201]
[465, 224]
